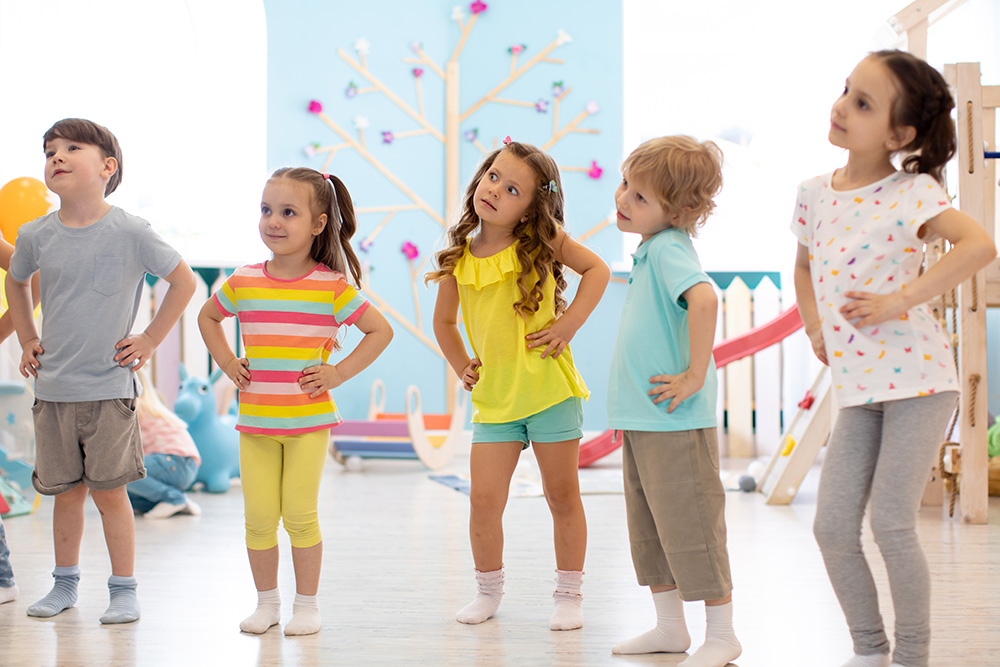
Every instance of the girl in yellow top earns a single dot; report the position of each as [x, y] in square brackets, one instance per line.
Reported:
[504, 267]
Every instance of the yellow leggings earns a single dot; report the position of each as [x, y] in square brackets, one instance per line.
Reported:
[280, 476]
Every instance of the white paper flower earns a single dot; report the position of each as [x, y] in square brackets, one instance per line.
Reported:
[457, 14]
[592, 107]
[362, 46]
[563, 37]
[360, 122]
[309, 150]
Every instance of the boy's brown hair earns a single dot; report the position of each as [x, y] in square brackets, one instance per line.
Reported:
[685, 175]
[89, 132]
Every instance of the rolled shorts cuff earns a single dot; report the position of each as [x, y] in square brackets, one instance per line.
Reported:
[558, 423]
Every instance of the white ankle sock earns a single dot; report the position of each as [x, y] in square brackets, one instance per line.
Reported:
[670, 634]
[721, 646]
[872, 660]
[487, 601]
[568, 612]
[305, 616]
[268, 613]
[8, 593]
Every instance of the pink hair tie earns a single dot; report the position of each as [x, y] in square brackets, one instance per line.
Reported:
[326, 176]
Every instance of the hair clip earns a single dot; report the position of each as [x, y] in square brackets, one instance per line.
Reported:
[507, 140]
[551, 186]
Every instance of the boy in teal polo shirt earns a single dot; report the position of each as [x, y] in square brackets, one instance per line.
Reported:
[662, 395]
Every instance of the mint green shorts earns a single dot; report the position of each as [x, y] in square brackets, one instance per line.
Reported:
[563, 421]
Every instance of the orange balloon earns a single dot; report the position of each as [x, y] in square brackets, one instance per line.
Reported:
[21, 200]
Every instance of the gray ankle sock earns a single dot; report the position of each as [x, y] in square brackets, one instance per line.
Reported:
[124, 607]
[63, 593]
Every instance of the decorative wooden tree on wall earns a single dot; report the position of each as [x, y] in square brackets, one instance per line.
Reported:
[450, 137]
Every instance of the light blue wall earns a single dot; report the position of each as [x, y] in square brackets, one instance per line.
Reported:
[303, 38]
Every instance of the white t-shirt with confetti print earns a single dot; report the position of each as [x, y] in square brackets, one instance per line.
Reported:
[865, 240]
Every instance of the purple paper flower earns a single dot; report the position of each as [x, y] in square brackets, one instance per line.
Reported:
[558, 88]
[542, 106]
[351, 90]
[472, 135]
[387, 137]
[366, 245]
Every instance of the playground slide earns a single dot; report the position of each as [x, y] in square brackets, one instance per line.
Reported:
[728, 351]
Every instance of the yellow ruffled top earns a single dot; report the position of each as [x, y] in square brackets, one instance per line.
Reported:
[514, 382]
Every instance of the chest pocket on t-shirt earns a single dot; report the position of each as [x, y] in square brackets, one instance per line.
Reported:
[109, 273]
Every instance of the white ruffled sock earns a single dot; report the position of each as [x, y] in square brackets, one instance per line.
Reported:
[487, 600]
[568, 612]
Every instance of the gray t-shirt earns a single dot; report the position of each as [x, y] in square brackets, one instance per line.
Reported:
[91, 281]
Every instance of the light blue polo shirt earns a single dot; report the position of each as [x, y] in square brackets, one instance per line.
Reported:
[653, 339]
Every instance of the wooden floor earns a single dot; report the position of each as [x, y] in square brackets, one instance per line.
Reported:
[397, 567]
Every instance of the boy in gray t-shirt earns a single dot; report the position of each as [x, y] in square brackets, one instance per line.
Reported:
[92, 259]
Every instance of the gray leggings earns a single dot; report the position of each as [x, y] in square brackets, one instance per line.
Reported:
[882, 451]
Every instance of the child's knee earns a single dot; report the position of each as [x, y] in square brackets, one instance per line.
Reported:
[303, 535]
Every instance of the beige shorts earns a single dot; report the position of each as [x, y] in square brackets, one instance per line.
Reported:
[95, 443]
[676, 511]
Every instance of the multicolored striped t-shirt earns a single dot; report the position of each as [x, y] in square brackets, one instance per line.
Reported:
[287, 326]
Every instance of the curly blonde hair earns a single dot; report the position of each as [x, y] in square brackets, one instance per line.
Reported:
[535, 236]
[686, 176]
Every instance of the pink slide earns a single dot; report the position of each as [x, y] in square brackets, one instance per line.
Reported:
[727, 351]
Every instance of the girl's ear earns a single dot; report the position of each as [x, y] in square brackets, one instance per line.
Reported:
[320, 224]
[903, 136]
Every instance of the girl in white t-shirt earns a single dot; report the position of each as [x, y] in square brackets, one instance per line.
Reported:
[861, 231]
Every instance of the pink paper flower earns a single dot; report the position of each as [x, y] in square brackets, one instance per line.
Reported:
[516, 49]
[387, 137]
[418, 72]
[542, 106]
[410, 250]
[592, 107]
[478, 7]
[417, 47]
[595, 171]
[315, 107]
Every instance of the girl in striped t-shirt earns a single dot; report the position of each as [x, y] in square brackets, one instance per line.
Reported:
[290, 309]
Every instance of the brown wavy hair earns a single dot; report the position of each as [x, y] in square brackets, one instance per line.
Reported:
[327, 244]
[925, 103]
[535, 236]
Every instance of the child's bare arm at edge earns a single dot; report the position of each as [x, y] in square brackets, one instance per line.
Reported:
[972, 249]
[135, 349]
[594, 277]
[448, 336]
[210, 323]
[19, 298]
[702, 312]
[805, 298]
[378, 332]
